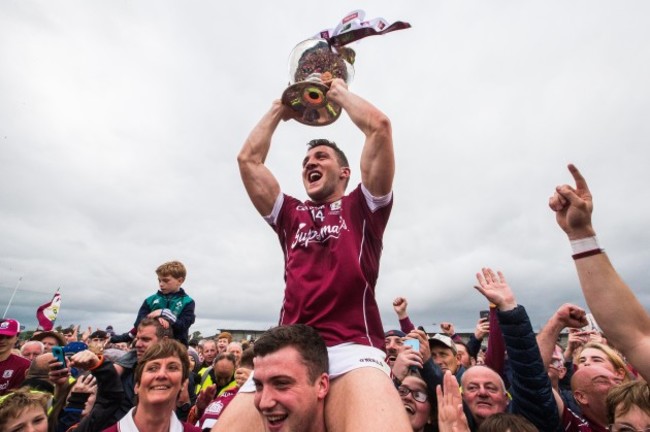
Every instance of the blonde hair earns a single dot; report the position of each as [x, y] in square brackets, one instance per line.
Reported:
[615, 359]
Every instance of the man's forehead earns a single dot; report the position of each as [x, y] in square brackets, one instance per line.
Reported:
[319, 150]
[224, 364]
[441, 348]
[147, 331]
[33, 347]
[481, 374]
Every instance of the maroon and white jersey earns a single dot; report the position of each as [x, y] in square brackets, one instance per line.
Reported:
[574, 423]
[12, 372]
[215, 409]
[331, 254]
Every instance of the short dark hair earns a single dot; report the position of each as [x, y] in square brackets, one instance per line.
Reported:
[304, 339]
[98, 334]
[164, 349]
[246, 359]
[340, 156]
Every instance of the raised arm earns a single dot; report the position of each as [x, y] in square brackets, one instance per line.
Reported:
[617, 310]
[567, 315]
[377, 158]
[399, 306]
[532, 393]
[261, 185]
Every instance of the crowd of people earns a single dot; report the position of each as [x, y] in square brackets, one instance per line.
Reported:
[329, 365]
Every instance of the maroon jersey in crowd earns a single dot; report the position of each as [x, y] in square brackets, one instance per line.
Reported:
[331, 254]
[573, 423]
[12, 372]
[213, 411]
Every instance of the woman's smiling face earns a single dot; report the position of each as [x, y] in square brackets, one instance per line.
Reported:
[161, 381]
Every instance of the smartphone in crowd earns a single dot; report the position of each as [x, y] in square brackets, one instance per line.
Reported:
[59, 355]
[413, 343]
[484, 314]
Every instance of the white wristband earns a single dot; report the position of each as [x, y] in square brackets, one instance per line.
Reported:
[585, 245]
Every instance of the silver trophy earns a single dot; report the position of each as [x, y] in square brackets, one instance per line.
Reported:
[313, 64]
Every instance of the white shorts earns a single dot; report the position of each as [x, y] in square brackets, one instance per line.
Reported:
[343, 358]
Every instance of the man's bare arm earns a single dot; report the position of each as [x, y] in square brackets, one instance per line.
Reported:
[617, 310]
[261, 185]
[377, 157]
[567, 315]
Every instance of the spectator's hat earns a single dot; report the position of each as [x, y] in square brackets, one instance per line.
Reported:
[443, 340]
[9, 327]
[56, 335]
[192, 352]
[397, 333]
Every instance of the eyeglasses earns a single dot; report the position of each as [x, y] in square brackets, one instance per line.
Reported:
[419, 396]
[625, 428]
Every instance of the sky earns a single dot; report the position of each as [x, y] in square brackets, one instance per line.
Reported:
[120, 123]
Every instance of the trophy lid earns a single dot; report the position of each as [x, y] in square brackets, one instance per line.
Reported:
[314, 59]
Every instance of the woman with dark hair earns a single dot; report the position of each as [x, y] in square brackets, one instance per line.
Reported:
[414, 395]
[160, 376]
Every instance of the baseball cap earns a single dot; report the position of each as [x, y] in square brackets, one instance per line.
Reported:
[397, 333]
[9, 327]
[440, 339]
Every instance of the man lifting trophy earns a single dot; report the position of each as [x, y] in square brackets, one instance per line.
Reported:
[332, 243]
[315, 62]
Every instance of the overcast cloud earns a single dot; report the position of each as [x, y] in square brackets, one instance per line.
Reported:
[120, 122]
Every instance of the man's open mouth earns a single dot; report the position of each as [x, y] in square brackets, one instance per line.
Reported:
[314, 176]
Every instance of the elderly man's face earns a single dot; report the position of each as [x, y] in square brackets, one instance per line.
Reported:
[235, 349]
[31, 350]
[483, 392]
[224, 371]
[445, 358]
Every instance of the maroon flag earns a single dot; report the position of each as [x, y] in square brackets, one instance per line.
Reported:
[46, 313]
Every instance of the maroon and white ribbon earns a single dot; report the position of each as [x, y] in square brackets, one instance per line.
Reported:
[353, 27]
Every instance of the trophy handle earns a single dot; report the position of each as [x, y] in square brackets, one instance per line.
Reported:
[308, 99]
